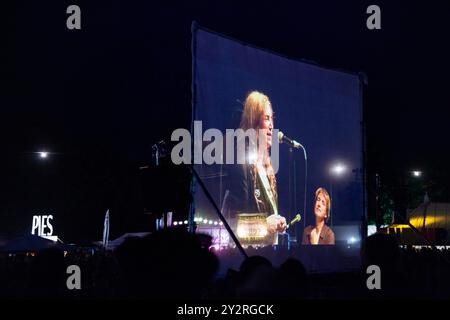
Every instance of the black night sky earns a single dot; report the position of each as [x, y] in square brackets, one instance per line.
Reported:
[100, 97]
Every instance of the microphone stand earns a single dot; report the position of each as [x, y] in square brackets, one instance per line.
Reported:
[306, 185]
[293, 198]
[292, 188]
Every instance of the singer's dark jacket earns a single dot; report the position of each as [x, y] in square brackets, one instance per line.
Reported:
[243, 192]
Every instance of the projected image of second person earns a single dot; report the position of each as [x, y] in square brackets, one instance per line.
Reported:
[320, 233]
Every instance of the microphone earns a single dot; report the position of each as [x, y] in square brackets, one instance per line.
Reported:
[297, 218]
[282, 138]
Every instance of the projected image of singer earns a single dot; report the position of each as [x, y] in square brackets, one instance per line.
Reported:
[320, 233]
[253, 187]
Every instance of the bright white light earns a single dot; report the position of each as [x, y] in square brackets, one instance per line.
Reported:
[195, 219]
[210, 222]
[252, 157]
[215, 247]
[43, 154]
[175, 223]
[185, 222]
[351, 240]
[220, 223]
[205, 221]
[371, 229]
[417, 173]
[338, 169]
[216, 223]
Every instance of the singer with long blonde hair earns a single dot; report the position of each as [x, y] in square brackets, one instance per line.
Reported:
[255, 190]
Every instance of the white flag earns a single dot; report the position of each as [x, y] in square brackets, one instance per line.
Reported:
[106, 230]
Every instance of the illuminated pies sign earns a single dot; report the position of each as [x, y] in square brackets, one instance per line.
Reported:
[42, 227]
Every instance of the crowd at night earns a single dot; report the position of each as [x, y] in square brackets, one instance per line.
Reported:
[174, 264]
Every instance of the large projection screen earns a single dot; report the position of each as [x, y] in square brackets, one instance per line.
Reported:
[319, 107]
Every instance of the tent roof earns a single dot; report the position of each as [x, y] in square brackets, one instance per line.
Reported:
[31, 243]
[431, 215]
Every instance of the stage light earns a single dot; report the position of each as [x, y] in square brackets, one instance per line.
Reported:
[417, 173]
[205, 221]
[352, 240]
[210, 222]
[338, 169]
[216, 223]
[43, 154]
[220, 223]
[185, 222]
[175, 223]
